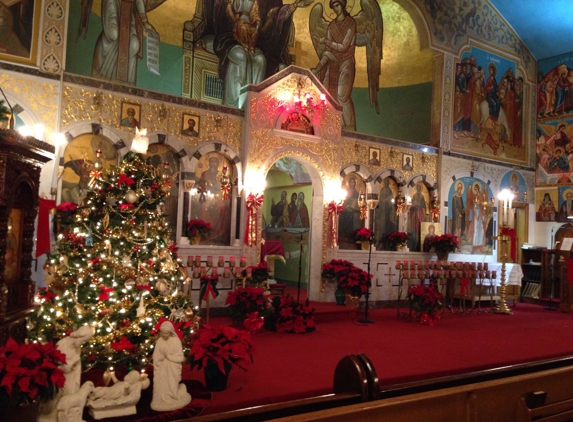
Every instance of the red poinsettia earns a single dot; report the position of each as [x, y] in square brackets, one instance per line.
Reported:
[291, 316]
[123, 178]
[351, 279]
[427, 301]
[67, 207]
[253, 322]
[30, 372]
[363, 235]
[198, 227]
[222, 344]
[246, 300]
[122, 344]
[445, 243]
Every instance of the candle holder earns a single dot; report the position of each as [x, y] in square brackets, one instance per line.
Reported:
[502, 307]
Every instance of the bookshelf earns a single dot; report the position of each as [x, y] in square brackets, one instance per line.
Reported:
[532, 260]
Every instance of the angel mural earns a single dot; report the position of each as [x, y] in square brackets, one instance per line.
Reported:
[555, 150]
[250, 38]
[335, 43]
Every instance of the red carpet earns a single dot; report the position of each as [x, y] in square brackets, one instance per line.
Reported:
[291, 366]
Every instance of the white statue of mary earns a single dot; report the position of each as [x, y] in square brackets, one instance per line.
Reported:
[168, 391]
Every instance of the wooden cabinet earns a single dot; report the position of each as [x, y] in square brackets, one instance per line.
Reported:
[532, 267]
[21, 160]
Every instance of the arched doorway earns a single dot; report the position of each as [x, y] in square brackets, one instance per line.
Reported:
[287, 212]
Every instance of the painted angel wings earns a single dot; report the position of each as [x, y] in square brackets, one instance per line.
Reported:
[369, 33]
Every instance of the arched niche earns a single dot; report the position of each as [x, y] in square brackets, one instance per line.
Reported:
[315, 204]
[203, 180]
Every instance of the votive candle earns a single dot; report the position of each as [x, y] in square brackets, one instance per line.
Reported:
[494, 274]
[243, 261]
[190, 261]
[203, 270]
[249, 271]
[487, 274]
[232, 262]
[209, 261]
[221, 262]
[197, 260]
[226, 272]
[398, 265]
[485, 266]
[479, 265]
[215, 271]
[195, 272]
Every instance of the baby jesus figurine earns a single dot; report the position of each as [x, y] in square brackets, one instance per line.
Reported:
[119, 399]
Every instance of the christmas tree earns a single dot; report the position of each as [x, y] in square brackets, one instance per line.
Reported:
[115, 269]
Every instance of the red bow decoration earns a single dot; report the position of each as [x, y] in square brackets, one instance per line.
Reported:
[435, 214]
[125, 179]
[44, 293]
[253, 203]
[225, 190]
[333, 210]
[104, 293]
[209, 287]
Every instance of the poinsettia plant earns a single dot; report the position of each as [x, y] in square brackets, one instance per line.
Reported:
[226, 346]
[258, 273]
[29, 372]
[427, 301]
[395, 239]
[290, 316]
[351, 279]
[364, 235]
[444, 243]
[198, 227]
[246, 300]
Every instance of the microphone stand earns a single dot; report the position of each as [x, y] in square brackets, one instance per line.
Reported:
[366, 320]
[11, 123]
[299, 268]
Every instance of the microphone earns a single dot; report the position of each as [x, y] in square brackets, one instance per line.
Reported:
[11, 122]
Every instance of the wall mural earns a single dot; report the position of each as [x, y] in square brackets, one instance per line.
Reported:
[147, 51]
[488, 107]
[470, 218]
[555, 121]
[19, 42]
[514, 181]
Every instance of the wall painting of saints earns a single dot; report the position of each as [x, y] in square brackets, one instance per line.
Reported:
[470, 215]
[385, 218]
[546, 203]
[488, 107]
[349, 219]
[565, 204]
[554, 152]
[208, 204]
[79, 156]
[418, 213]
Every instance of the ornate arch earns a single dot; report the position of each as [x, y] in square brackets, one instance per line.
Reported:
[117, 138]
[364, 172]
[397, 175]
[219, 147]
[426, 180]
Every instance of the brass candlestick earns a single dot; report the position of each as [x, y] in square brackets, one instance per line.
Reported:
[502, 308]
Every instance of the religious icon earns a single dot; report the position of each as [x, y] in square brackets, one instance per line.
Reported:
[407, 162]
[190, 125]
[349, 220]
[79, 157]
[208, 204]
[374, 156]
[427, 232]
[545, 204]
[130, 115]
[418, 213]
[19, 25]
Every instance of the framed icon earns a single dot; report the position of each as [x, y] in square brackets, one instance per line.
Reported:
[190, 125]
[130, 115]
[407, 162]
[374, 156]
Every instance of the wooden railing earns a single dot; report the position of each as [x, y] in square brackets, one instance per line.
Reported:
[539, 391]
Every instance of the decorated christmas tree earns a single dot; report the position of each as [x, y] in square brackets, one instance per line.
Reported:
[116, 269]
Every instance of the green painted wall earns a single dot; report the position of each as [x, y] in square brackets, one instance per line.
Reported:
[405, 113]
